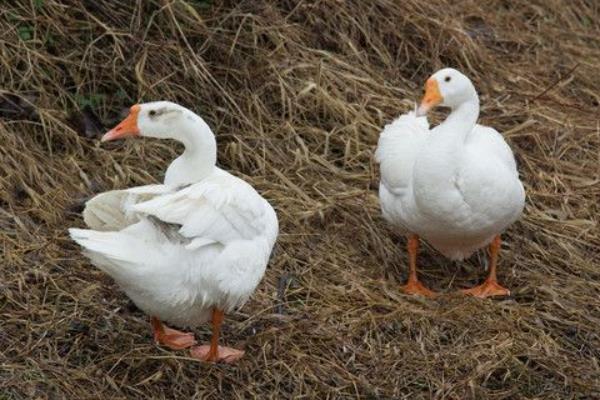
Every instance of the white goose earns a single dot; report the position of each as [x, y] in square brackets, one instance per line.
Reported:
[456, 185]
[186, 251]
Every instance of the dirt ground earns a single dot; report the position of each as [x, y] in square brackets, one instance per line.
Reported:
[297, 93]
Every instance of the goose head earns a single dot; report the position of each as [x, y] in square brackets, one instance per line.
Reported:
[166, 120]
[447, 87]
[158, 119]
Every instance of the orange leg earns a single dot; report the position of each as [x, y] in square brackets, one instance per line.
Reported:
[214, 352]
[413, 285]
[171, 338]
[490, 287]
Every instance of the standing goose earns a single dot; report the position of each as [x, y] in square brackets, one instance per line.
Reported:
[186, 251]
[455, 185]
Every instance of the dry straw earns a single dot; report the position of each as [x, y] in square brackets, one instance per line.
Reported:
[297, 92]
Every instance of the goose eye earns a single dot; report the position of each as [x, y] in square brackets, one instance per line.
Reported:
[447, 79]
[152, 113]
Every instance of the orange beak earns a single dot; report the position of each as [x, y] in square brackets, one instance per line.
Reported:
[432, 97]
[127, 127]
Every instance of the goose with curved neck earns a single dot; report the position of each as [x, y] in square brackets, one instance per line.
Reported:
[464, 105]
[455, 185]
[437, 165]
[166, 120]
[174, 248]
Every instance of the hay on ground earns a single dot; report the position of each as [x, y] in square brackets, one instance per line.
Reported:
[297, 93]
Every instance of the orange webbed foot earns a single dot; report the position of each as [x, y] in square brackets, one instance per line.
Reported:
[417, 288]
[223, 354]
[487, 289]
[174, 339]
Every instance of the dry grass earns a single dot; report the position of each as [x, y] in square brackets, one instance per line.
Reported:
[297, 93]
